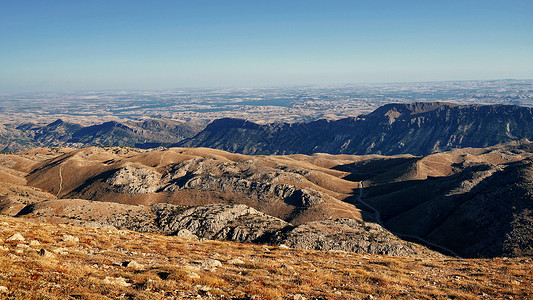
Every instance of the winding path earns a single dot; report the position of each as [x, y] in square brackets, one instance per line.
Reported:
[165, 152]
[60, 181]
[378, 219]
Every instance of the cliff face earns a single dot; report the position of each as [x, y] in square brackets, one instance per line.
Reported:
[416, 128]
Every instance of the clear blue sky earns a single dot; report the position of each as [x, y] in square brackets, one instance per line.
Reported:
[114, 44]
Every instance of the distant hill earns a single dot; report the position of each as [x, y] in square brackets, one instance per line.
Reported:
[146, 134]
[417, 128]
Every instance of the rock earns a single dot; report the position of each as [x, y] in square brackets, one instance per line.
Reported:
[14, 257]
[46, 253]
[288, 267]
[283, 246]
[133, 265]
[352, 236]
[4, 224]
[238, 223]
[3, 289]
[116, 281]
[4, 248]
[186, 234]
[211, 264]
[305, 198]
[135, 180]
[22, 246]
[61, 251]
[235, 261]
[193, 275]
[298, 297]
[16, 237]
[34, 243]
[70, 239]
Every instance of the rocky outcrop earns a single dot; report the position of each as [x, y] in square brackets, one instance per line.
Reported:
[241, 178]
[135, 180]
[94, 214]
[351, 236]
[238, 223]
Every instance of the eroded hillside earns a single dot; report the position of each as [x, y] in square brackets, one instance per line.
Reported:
[470, 202]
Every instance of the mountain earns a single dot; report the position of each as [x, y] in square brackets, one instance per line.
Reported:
[416, 128]
[149, 133]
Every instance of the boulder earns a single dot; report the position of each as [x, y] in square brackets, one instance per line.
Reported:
[17, 237]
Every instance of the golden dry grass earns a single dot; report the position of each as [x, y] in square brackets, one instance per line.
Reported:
[93, 269]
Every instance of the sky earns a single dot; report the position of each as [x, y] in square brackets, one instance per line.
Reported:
[73, 45]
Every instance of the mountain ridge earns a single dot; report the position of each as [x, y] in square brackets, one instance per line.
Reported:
[418, 128]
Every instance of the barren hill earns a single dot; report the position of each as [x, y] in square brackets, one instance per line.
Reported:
[475, 202]
[187, 191]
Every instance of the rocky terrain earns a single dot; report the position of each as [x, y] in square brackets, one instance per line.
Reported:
[473, 202]
[49, 261]
[199, 193]
[415, 128]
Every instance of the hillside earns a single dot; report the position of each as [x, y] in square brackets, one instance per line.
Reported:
[47, 261]
[415, 128]
[481, 209]
[474, 202]
[199, 193]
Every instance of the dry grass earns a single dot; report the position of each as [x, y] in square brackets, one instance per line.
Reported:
[93, 269]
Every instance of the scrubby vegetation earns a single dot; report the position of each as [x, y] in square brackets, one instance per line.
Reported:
[68, 262]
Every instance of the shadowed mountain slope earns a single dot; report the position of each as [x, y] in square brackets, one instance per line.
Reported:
[478, 203]
[415, 128]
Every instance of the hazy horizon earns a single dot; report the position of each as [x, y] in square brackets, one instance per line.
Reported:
[159, 45]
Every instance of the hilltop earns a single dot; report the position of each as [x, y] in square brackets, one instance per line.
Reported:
[43, 260]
